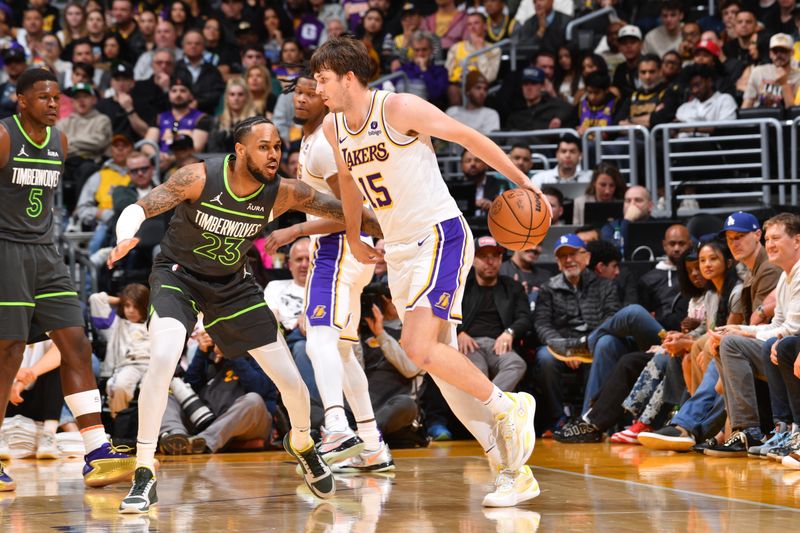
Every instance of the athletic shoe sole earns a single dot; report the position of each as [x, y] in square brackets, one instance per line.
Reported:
[175, 445]
[657, 441]
[48, 454]
[569, 358]
[110, 472]
[724, 453]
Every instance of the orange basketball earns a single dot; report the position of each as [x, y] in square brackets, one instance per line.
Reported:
[518, 219]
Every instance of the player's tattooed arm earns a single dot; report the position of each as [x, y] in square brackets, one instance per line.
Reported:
[185, 184]
[296, 195]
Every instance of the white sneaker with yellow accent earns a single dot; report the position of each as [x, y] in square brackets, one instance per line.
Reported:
[512, 488]
[514, 430]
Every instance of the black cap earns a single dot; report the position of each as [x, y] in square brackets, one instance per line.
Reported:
[409, 8]
[121, 70]
[181, 77]
[14, 54]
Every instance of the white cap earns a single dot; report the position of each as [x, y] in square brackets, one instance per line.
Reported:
[781, 40]
[630, 31]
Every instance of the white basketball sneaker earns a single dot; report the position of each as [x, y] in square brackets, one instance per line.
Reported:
[379, 460]
[514, 430]
[512, 488]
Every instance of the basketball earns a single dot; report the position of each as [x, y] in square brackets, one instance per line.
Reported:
[518, 219]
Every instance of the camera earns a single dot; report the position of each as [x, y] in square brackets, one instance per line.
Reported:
[199, 414]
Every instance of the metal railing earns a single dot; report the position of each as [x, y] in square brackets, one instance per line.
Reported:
[741, 162]
[793, 140]
[466, 61]
[543, 144]
[622, 148]
[389, 77]
[571, 25]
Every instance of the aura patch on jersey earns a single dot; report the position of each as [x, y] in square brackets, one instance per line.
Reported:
[443, 284]
[324, 280]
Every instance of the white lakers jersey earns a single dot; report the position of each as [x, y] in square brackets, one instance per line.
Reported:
[398, 175]
[316, 163]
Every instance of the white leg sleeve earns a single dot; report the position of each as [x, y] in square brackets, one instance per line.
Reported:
[167, 337]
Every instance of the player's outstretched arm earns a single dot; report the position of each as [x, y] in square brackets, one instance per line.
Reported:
[294, 194]
[410, 114]
[185, 184]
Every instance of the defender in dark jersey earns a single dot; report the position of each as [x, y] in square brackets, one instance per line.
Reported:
[37, 298]
[222, 205]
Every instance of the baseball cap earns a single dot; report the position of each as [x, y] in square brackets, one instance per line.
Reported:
[487, 242]
[181, 77]
[121, 70]
[533, 74]
[409, 8]
[741, 222]
[14, 54]
[781, 40]
[570, 240]
[629, 31]
[119, 137]
[709, 46]
[82, 88]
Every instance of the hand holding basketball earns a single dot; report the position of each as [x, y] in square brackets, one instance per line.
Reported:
[519, 218]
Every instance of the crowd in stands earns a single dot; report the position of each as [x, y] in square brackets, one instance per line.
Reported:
[673, 334]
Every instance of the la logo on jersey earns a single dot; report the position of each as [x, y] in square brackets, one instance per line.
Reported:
[319, 312]
[444, 301]
[217, 198]
[22, 152]
[373, 128]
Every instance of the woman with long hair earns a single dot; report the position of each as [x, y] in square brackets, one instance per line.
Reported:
[607, 185]
[237, 105]
[371, 32]
[272, 34]
[592, 62]
[290, 62]
[74, 26]
[95, 31]
[179, 13]
[567, 80]
[259, 83]
[115, 49]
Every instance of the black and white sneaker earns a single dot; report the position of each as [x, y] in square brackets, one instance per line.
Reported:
[316, 472]
[142, 494]
[570, 349]
[578, 432]
[736, 446]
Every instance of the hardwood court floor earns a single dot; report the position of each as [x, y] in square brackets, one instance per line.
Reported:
[589, 487]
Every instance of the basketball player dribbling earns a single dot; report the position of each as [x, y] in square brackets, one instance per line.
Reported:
[333, 290]
[384, 153]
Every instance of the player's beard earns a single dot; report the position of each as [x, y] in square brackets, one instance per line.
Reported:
[256, 172]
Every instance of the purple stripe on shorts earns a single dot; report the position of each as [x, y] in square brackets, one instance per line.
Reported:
[446, 277]
[322, 277]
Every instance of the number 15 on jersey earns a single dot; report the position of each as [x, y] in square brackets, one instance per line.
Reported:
[376, 193]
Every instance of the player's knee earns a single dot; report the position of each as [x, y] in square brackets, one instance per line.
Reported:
[11, 352]
[418, 350]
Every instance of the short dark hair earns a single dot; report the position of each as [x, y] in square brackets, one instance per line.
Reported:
[648, 58]
[84, 66]
[725, 4]
[598, 80]
[244, 127]
[522, 146]
[33, 76]
[80, 41]
[569, 138]
[602, 252]
[704, 71]
[789, 221]
[549, 190]
[342, 55]
[672, 5]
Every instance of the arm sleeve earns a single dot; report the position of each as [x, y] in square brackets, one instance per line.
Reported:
[129, 222]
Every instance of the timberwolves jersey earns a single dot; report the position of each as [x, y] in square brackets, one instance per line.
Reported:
[213, 235]
[27, 185]
[397, 174]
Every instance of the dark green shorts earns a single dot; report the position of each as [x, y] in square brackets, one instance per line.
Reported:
[36, 293]
[235, 314]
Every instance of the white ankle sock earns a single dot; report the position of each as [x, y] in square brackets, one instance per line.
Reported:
[145, 454]
[368, 431]
[498, 403]
[335, 419]
[93, 437]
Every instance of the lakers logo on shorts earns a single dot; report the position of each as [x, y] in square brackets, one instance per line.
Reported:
[444, 301]
[319, 312]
